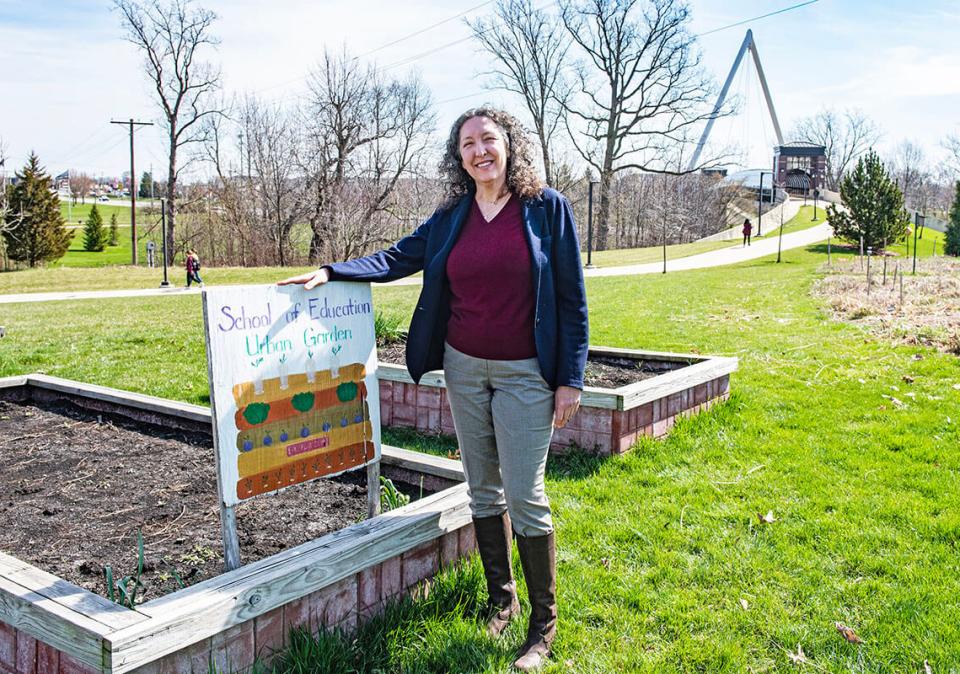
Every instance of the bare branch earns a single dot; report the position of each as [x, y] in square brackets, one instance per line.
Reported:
[170, 35]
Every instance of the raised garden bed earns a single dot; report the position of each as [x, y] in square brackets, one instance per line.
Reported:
[665, 386]
[49, 624]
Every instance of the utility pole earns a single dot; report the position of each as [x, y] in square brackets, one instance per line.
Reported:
[590, 224]
[133, 190]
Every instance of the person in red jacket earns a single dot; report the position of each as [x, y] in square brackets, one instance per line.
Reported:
[503, 310]
[193, 268]
[747, 229]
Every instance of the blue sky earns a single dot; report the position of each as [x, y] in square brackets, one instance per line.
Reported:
[65, 70]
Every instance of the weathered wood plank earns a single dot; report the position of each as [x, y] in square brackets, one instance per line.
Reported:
[663, 385]
[666, 356]
[120, 397]
[15, 380]
[68, 595]
[46, 620]
[215, 605]
[427, 464]
[392, 372]
[373, 487]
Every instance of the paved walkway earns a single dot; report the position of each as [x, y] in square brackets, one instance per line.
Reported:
[715, 258]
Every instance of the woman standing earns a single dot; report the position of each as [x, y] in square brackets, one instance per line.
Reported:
[503, 311]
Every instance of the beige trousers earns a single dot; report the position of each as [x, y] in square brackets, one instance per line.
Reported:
[503, 415]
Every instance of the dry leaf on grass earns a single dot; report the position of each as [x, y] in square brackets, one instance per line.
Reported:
[744, 604]
[454, 454]
[896, 401]
[798, 658]
[848, 633]
[768, 518]
[908, 379]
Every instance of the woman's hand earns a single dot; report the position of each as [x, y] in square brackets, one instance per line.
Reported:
[310, 280]
[566, 402]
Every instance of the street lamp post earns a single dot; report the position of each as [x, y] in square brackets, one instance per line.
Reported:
[590, 225]
[760, 202]
[163, 229]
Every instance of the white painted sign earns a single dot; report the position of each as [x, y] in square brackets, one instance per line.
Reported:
[293, 384]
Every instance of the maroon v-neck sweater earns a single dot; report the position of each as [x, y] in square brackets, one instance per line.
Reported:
[491, 308]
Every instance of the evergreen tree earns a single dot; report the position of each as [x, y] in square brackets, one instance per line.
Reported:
[114, 231]
[951, 242]
[874, 204]
[35, 231]
[94, 235]
[146, 186]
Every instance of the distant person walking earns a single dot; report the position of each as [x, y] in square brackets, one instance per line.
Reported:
[747, 229]
[193, 268]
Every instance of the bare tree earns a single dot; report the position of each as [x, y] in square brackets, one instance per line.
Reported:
[641, 91]
[172, 36]
[529, 47]
[277, 186]
[232, 192]
[362, 135]
[907, 166]
[846, 136]
[7, 221]
[80, 185]
[952, 145]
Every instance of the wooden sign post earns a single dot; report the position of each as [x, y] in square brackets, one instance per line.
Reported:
[293, 390]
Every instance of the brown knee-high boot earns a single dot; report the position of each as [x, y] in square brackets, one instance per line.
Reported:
[494, 544]
[538, 555]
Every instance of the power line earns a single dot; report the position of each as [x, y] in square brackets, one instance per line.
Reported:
[757, 18]
[423, 30]
[384, 46]
[133, 186]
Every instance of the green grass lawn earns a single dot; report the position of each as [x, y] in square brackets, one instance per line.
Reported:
[627, 256]
[111, 255]
[77, 214]
[118, 277]
[658, 548]
[802, 220]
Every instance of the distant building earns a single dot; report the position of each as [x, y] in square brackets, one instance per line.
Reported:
[749, 179]
[800, 167]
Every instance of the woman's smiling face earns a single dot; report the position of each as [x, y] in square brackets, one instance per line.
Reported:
[483, 151]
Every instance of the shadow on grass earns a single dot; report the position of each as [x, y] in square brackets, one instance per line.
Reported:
[836, 248]
[575, 464]
[439, 445]
[440, 632]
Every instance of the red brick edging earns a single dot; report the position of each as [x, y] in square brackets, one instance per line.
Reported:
[600, 430]
[344, 605]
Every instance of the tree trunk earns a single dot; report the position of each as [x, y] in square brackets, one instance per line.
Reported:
[547, 168]
[171, 195]
[603, 215]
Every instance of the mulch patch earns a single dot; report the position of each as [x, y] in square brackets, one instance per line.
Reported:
[601, 371]
[77, 486]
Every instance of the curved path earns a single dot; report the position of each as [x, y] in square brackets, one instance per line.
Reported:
[715, 258]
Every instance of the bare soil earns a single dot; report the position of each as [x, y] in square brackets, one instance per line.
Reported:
[928, 312]
[601, 371]
[77, 486]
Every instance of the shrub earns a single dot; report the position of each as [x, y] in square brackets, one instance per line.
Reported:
[874, 204]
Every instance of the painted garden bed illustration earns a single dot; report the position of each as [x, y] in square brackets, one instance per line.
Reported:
[657, 389]
[336, 570]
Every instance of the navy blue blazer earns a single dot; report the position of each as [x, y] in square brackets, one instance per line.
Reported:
[560, 320]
